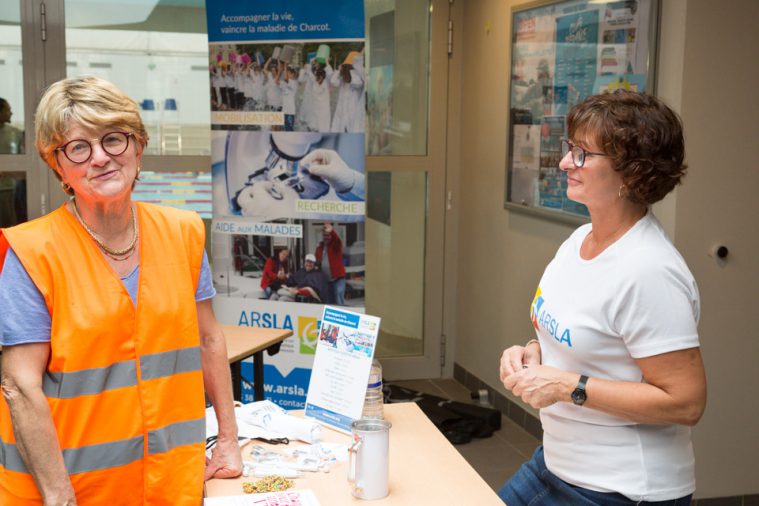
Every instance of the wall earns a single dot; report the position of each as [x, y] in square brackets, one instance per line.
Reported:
[718, 204]
[501, 254]
[705, 72]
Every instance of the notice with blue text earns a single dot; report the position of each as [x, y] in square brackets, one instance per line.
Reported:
[342, 363]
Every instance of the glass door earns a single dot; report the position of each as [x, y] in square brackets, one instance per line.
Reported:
[16, 149]
[407, 74]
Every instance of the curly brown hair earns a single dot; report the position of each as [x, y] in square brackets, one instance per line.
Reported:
[641, 134]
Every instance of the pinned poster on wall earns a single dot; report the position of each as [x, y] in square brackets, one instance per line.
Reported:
[288, 94]
[563, 51]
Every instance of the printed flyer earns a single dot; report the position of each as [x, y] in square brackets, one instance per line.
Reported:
[288, 88]
[347, 341]
[303, 497]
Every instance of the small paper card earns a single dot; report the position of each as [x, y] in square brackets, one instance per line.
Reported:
[287, 498]
[341, 367]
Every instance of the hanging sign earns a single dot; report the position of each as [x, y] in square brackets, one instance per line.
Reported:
[288, 92]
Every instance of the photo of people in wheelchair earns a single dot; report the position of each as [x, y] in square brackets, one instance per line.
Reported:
[324, 266]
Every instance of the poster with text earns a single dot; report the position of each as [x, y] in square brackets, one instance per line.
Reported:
[288, 90]
[526, 164]
[563, 52]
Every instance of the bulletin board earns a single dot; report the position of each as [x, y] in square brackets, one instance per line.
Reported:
[562, 52]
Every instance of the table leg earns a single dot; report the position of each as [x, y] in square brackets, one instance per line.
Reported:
[236, 370]
[258, 376]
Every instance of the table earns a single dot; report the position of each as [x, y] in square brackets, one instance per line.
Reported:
[242, 342]
[425, 468]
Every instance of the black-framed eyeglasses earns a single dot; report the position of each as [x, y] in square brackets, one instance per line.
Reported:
[80, 150]
[578, 154]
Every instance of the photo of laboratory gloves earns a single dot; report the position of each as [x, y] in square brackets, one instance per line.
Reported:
[327, 164]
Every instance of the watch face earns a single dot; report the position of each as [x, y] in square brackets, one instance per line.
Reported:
[579, 396]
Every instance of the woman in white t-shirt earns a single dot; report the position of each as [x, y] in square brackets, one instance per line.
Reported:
[616, 368]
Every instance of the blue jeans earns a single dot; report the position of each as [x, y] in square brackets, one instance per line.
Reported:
[337, 292]
[534, 485]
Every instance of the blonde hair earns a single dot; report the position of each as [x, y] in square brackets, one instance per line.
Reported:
[92, 102]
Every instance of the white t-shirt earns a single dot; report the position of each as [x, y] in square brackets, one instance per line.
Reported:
[636, 299]
[273, 93]
[288, 89]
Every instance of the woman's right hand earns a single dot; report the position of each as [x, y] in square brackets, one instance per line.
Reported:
[516, 358]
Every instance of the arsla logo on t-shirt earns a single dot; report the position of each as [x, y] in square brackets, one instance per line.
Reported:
[535, 308]
[540, 317]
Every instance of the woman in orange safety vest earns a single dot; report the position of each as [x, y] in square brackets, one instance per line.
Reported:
[109, 338]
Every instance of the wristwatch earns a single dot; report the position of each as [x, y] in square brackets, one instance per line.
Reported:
[579, 396]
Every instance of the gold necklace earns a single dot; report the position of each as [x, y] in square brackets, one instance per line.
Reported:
[123, 258]
[113, 253]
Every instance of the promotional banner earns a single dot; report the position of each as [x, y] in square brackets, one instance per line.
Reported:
[288, 91]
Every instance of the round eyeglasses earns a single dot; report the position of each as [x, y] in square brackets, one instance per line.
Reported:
[578, 154]
[80, 150]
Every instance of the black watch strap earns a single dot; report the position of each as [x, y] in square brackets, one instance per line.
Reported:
[579, 396]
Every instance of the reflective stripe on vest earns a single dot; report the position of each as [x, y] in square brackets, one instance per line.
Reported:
[122, 374]
[84, 459]
[177, 434]
[168, 363]
[10, 458]
[65, 385]
[116, 453]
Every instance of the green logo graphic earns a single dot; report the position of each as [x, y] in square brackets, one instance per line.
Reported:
[308, 333]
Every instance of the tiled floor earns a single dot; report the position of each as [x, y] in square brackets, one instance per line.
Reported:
[494, 458]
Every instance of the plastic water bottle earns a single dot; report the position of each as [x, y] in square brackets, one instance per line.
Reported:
[373, 401]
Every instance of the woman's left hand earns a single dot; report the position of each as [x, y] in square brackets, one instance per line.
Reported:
[225, 461]
[541, 385]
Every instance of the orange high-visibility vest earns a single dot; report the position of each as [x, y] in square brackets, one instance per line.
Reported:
[124, 384]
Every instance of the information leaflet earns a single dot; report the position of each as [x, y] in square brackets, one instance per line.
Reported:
[342, 363]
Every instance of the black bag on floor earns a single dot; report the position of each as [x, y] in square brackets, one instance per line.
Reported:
[491, 417]
[459, 422]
